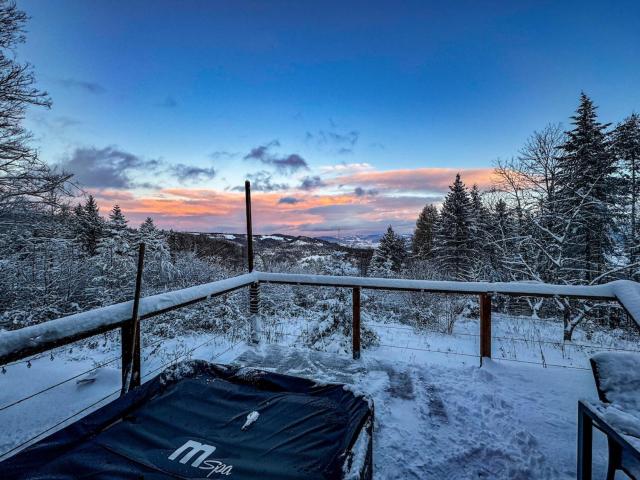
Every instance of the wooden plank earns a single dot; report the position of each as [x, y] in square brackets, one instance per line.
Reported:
[355, 330]
[485, 326]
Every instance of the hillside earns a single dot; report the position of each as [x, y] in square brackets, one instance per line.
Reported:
[270, 250]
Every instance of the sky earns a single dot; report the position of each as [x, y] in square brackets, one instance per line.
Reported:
[345, 116]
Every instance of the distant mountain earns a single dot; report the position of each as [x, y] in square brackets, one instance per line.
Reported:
[370, 240]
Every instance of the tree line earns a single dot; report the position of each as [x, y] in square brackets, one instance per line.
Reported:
[563, 211]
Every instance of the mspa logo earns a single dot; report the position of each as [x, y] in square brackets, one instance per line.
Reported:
[202, 452]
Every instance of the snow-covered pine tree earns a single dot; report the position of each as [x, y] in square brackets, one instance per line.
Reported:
[390, 254]
[89, 226]
[158, 267]
[501, 234]
[626, 147]
[586, 194]
[115, 261]
[478, 232]
[453, 249]
[422, 241]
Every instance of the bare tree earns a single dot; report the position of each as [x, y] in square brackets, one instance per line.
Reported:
[23, 176]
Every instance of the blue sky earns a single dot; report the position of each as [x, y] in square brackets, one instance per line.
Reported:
[189, 89]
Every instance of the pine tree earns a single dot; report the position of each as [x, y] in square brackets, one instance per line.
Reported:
[423, 236]
[89, 226]
[391, 253]
[453, 248]
[626, 146]
[158, 257]
[115, 261]
[478, 234]
[586, 182]
[500, 235]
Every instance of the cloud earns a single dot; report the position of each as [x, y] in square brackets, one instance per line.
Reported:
[283, 163]
[108, 167]
[354, 208]
[361, 192]
[331, 140]
[311, 183]
[261, 182]
[222, 154]
[345, 168]
[190, 173]
[91, 87]
[424, 180]
[289, 200]
[168, 102]
[57, 125]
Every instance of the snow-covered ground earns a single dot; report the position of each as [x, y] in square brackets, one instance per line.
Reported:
[438, 414]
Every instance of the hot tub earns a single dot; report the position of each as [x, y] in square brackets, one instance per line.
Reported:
[200, 420]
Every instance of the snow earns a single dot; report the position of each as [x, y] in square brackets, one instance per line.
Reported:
[229, 236]
[625, 291]
[628, 294]
[438, 416]
[252, 417]
[52, 408]
[444, 419]
[271, 237]
[75, 325]
[521, 288]
[354, 464]
[619, 374]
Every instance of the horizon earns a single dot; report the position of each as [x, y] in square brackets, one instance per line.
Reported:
[345, 118]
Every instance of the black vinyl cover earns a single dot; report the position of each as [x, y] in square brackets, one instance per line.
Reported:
[187, 423]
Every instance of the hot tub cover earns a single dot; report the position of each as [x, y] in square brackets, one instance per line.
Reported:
[188, 423]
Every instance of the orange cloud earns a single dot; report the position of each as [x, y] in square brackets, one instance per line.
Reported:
[417, 179]
[201, 209]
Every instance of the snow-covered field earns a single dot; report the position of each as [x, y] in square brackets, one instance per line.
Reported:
[438, 414]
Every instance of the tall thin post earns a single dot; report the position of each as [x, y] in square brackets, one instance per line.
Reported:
[254, 288]
[131, 335]
[485, 326]
[247, 196]
[355, 331]
[585, 444]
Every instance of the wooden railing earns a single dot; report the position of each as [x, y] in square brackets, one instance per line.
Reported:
[22, 343]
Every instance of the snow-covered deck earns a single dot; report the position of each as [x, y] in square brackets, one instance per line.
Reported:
[437, 416]
[451, 419]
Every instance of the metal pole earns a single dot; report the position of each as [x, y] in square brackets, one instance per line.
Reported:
[247, 195]
[254, 288]
[131, 335]
[355, 333]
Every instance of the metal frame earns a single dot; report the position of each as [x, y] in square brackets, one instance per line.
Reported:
[587, 419]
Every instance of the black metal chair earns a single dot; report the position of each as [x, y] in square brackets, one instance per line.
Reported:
[617, 378]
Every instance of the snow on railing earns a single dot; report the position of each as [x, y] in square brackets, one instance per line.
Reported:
[605, 291]
[26, 341]
[20, 343]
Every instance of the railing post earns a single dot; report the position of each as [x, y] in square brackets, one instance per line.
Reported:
[485, 326]
[130, 335]
[355, 330]
[254, 288]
